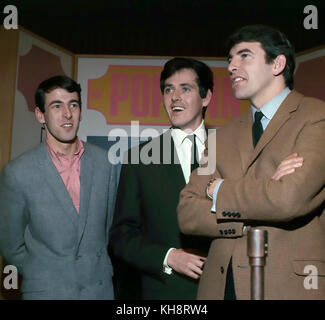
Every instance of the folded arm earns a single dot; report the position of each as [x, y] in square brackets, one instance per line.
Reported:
[285, 195]
[292, 196]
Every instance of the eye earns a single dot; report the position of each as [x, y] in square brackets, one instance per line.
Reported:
[167, 90]
[74, 105]
[244, 55]
[56, 106]
[186, 89]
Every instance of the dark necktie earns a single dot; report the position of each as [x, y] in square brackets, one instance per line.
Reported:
[194, 153]
[257, 127]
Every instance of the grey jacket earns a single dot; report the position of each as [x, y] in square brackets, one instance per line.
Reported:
[59, 253]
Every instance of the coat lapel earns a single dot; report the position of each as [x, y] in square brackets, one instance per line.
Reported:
[56, 184]
[245, 140]
[283, 114]
[174, 170]
[86, 174]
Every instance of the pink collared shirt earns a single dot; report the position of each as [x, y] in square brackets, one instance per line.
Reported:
[69, 170]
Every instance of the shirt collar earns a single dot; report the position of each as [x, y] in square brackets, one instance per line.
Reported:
[78, 153]
[179, 135]
[270, 108]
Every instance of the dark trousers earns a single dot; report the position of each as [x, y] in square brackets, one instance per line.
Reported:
[230, 293]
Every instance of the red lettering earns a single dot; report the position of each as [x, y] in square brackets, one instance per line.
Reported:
[215, 100]
[140, 88]
[119, 91]
[156, 96]
[229, 102]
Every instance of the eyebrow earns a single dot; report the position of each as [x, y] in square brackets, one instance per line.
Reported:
[181, 84]
[240, 52]
[59, 101]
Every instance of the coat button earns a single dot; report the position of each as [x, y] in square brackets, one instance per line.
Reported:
[222, 269]
[224, 213]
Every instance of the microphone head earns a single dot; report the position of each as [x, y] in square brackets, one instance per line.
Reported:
[257, 244]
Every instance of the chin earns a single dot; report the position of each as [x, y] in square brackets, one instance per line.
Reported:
[241, 95]
[178, 125]
[68, 139]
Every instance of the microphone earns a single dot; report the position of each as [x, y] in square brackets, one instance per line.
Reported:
[257, 246]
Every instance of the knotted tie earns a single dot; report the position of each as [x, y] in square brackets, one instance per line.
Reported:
[257, 129]
[194, 153]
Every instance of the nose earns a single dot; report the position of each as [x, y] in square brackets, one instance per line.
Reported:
[232, 66]
[176, 95]
[67, 112]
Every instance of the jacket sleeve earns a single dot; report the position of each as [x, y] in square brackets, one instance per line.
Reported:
[13, 219]
[194, 208]
[256, 197]
[293, 196]
[127, 237]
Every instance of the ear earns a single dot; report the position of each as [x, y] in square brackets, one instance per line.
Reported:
[207, 98]
[279, 64]
[39, 115]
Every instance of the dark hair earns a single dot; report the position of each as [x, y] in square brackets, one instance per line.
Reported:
[52, 83]
[274, 43]
[204, 74]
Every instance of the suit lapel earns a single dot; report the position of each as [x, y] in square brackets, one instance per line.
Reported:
[56, 184]
[244, 141]
[283, 114]
[86, 174]
[174, 170]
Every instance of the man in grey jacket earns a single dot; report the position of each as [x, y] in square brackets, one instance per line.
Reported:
[56, 205]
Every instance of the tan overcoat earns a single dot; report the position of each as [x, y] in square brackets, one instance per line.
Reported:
[291, 209]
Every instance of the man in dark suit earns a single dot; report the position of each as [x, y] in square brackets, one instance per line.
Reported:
[246, 193]
[145, 235]
[56, 204]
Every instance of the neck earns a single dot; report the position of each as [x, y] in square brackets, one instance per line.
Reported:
[189, 129]
[66, 148]
[261, 99]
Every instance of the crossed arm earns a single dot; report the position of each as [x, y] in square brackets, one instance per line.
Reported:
[191, 265]
[287, 166]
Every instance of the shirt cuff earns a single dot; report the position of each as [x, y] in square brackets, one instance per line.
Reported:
[215, 195]
[166, 268]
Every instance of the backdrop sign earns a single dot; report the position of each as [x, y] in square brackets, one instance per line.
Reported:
[127, 93]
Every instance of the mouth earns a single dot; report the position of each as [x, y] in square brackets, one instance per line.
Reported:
[177, 108]
[237, 80]
[67, 125]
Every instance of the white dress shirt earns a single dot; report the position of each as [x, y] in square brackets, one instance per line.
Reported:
[183, 148]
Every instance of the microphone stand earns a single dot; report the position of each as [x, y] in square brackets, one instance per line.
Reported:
[257, 251]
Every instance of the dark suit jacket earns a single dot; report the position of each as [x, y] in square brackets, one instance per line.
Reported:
[145, 226]
[59, 253]
[291, 209]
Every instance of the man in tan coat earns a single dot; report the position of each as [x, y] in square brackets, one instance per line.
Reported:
[244, 192]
